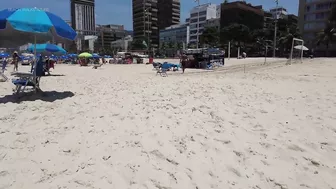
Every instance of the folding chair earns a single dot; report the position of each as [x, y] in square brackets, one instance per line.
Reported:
[163, 71]
[28, 79]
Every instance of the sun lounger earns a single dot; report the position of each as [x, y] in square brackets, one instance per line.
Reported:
[25, 80]
[156, 66]
[28, 79]
[163, 70]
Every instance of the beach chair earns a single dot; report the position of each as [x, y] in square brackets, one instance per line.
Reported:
[163, 70]
[3, 77]
[156, 66]
[28, 79]
[97, 66]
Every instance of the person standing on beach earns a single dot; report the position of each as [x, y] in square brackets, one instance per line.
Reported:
[183, 62]
[16, 61]
[4, 64]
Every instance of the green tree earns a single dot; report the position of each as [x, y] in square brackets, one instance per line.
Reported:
[238, 33]
[326, 36]
[226, 1]
[210, 37]
[139, 44]
[170, 45]
[260, 40]
[179, 45]
[286, 38]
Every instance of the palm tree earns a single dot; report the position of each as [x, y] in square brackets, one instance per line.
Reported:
[326, 36]
[286, 38]
[332, 17]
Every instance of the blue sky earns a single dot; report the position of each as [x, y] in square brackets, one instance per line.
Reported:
[120, 11]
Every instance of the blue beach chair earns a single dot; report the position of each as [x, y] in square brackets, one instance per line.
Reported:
[29, 79]
[163, 70]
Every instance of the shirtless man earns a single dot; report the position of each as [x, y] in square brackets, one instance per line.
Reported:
[183, 61]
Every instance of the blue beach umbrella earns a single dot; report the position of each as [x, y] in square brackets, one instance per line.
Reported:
[72, 55]
[4, 55]
[95, 55]
[27, 25]
[46, 49]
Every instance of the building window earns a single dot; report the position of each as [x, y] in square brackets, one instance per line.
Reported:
[321, 15]
[202, 13]
[309, 17]
[202, 19]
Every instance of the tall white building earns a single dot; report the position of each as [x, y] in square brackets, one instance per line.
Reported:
[198, 17]
[218, 13]
[313, 18]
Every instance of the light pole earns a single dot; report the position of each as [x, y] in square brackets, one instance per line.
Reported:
[148, 16]
[198, 11]
[275, 27]
[144, 18]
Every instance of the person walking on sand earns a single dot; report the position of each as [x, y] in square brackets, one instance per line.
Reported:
[16, 61]
[183, 62]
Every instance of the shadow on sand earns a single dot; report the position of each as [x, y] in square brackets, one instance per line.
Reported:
[47, 96]
[54, 75]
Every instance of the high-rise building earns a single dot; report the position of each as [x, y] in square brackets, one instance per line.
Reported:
[83, 21]
[108, 34]
[149, 16]
[83, 15]
[168, 13]
[198, 18]
[313, 16]
[242, 13]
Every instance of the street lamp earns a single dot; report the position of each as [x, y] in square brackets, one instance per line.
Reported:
[275, 27]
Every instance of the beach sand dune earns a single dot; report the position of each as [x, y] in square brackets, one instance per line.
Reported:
[121, 126]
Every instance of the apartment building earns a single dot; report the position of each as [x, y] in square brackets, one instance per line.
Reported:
[313, 16]
[278, 12]
[213, 23]
[149, 16]
[108, 34]
[198, 18]
[175, 34]
[239, 11]
[83, 21]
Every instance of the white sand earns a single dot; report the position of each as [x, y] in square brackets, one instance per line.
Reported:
[271, 127]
